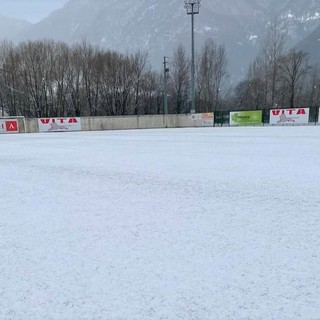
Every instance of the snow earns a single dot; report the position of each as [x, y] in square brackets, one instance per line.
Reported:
[212, 223]
[253, 37]
[290, 16]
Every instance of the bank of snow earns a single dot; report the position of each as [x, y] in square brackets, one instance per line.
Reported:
[217, 223]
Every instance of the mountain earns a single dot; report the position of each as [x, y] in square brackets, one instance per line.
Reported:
[9, 28]
[154, 25]
[311, 44]
[160, 25]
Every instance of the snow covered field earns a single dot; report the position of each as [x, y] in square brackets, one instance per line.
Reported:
[190, 224]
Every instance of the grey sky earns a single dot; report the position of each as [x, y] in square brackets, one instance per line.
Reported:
[30, 10]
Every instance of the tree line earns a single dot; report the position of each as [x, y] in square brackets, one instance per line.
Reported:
[279, 76]
[52, 79]
[48, 79]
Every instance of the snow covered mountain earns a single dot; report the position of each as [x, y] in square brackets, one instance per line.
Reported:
[157, 25]
[160, 25]
[9, 28]
[311, 44]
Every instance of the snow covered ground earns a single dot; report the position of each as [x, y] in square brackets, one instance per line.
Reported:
[190, 224]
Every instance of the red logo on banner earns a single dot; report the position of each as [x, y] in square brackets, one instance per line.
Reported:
[289, 111]
[11, 126]
[59, 120]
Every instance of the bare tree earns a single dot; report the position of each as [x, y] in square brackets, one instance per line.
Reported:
[248, 94]
[60, 83]
[179, 83]
[211, 74]
[150, 97]
[140, 66]
[313, 94]
[47, 78]
[272, 49]
[265, 70]
[294, 67]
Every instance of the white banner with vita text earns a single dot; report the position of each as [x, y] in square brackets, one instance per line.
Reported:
[59, 124]
[289, 116]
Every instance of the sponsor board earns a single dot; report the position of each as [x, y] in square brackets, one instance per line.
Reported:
[243, 118]
[196, 116]
[59, 124]
[289, 116]
[205, 118]
[9, 126]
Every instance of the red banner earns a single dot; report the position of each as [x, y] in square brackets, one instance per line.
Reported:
[9, 126]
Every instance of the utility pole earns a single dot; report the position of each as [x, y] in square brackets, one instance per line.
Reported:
[165, 79]
[192, 7]
[2, 104]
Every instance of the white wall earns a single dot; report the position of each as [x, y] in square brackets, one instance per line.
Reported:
[127, 122]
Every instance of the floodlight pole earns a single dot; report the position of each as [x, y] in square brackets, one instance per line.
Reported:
[192, 7]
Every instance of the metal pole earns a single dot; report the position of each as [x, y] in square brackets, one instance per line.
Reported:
[165, 96]
[193, 93]
[192, 7]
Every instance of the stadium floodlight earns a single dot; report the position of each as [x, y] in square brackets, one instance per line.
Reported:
[192, 7]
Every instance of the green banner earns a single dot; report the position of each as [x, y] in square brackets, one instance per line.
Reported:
[243, 118]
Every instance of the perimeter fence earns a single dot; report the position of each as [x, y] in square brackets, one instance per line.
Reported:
[273, 117]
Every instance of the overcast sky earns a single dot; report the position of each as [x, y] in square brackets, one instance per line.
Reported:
[30, 10]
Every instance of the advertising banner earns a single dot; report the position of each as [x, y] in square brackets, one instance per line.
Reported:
[196, 116]
[289, 116]
[244, 118]
[59, 124]
[9, 126]
[206, 119]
